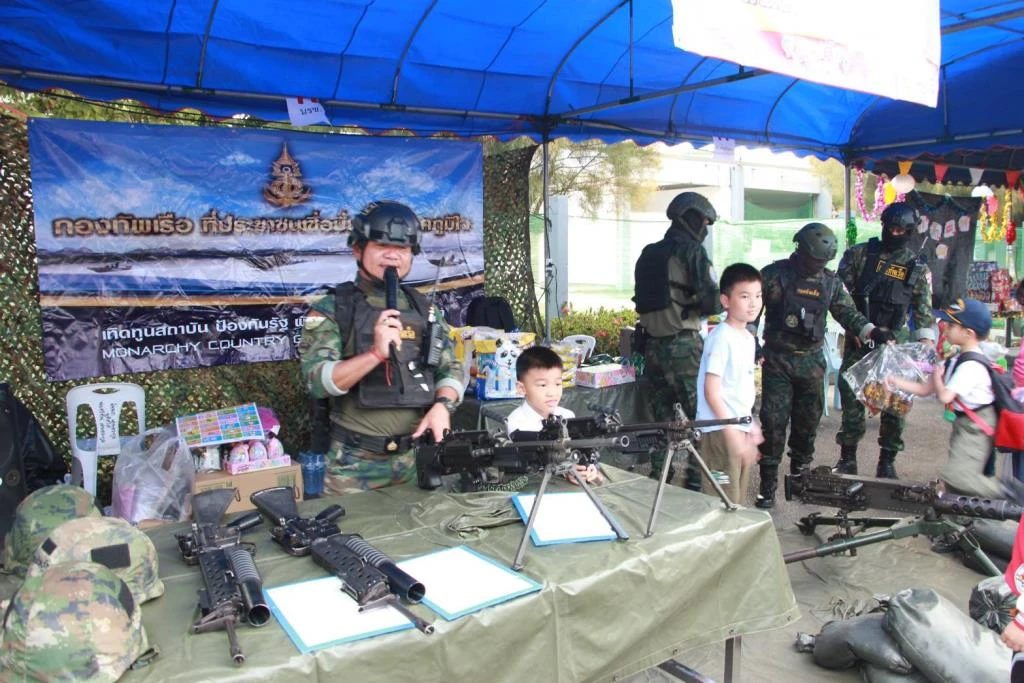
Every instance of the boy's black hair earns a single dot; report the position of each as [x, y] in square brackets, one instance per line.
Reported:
[536, 358]
[737, 273]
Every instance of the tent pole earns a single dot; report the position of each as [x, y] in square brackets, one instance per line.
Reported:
[847, 205]
[549, 274]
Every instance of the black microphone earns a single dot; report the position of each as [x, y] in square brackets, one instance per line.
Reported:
[391, 287]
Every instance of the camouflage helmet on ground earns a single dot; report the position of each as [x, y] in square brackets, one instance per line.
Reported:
[386, 222]
[816, 241]
[686, 201]
[40, 513]
[76, 621]
[109, 541]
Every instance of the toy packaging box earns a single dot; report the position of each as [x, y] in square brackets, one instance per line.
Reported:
[496, 356]
[606, 375]
[571, 358]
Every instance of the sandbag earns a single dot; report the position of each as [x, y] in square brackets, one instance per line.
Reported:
[942, 642]
[870, 673]
[842, 644]
[991, 602]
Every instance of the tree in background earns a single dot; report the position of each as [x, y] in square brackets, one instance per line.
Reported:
[595, 172]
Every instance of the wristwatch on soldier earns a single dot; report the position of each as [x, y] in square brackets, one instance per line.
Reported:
[446, 402]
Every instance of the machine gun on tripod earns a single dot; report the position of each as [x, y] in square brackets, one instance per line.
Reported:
[233, 589]
[674, 436]
[926, 501]
[367, 575]
[553, 452]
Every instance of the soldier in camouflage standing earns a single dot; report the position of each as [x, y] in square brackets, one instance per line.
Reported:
[798, 294]
[371, 361]
[675, 288]
[886, 280]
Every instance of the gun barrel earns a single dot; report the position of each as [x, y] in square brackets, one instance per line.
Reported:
[972, 506]
[401, 583]
[250, 586]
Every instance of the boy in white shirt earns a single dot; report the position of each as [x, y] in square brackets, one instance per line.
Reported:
[725, 382]
[967, 388]
[539, 380]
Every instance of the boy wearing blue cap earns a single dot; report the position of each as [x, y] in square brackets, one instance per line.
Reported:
[967, 389]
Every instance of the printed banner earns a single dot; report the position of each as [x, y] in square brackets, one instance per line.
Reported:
[178, 247]
[874, 46]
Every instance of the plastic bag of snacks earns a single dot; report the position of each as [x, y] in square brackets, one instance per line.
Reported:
[867, 379]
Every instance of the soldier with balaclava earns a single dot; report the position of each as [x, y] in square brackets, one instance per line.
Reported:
[799, 292]
[887, 281]
[675, 287]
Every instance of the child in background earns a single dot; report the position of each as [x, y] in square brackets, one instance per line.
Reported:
[539, 380]
[966, 388]
[725, 382]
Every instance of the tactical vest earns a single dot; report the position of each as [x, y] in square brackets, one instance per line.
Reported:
[412, 384]
[884, 288]
[653, 290]
[804, 305]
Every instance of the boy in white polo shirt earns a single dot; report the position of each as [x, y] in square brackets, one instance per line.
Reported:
[725, 382]
[539, 380]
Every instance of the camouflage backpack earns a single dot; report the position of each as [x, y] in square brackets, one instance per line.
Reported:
[109, 541]
[73, 622]
[39, 514]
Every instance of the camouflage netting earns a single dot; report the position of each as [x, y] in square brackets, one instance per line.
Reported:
[178, 392]
[507, 234]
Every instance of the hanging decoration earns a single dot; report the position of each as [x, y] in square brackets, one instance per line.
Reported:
[888, 194]
[1011, 179]
[1007, 213]
[983, 223]
[904, 182]
[1011, 234]
[876, 211]
[851, 232]
[940, 172]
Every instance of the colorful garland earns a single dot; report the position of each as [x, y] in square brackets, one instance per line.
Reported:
[851, 232]
[879, 196]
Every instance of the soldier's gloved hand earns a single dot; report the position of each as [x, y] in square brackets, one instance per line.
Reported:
[882, 335]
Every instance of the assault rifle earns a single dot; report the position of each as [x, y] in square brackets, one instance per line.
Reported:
[926, 501]
[233, 589]
[553, 452]
[369, 576]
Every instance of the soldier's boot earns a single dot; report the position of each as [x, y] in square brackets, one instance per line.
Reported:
[847, 459]
[769, 482]
[886, 464]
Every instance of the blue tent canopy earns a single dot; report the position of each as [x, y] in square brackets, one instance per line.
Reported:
[599, 68]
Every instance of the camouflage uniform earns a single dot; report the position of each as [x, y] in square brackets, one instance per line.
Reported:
[40, 513]
[76, 621]
[110, 541]
[890, 430]
[673, 347]
[794, 369]
[352, 468]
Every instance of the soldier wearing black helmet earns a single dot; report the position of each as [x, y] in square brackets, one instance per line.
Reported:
[799, 292]
[675, 288]
[369, 361]
[888, 282]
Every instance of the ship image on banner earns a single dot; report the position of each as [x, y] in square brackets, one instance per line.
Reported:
[170, 247]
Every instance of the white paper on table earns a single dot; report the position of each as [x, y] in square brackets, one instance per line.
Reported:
[317, 614]
[569, 517]
[460, 580]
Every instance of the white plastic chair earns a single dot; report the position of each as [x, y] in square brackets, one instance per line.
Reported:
[833, 360]
[584, 341]
[105, 401]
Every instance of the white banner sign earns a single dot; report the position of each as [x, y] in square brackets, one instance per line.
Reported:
[875, 46]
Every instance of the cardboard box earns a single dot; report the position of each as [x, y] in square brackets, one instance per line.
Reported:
[606, 375]
[257, 465]
[250, 482]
